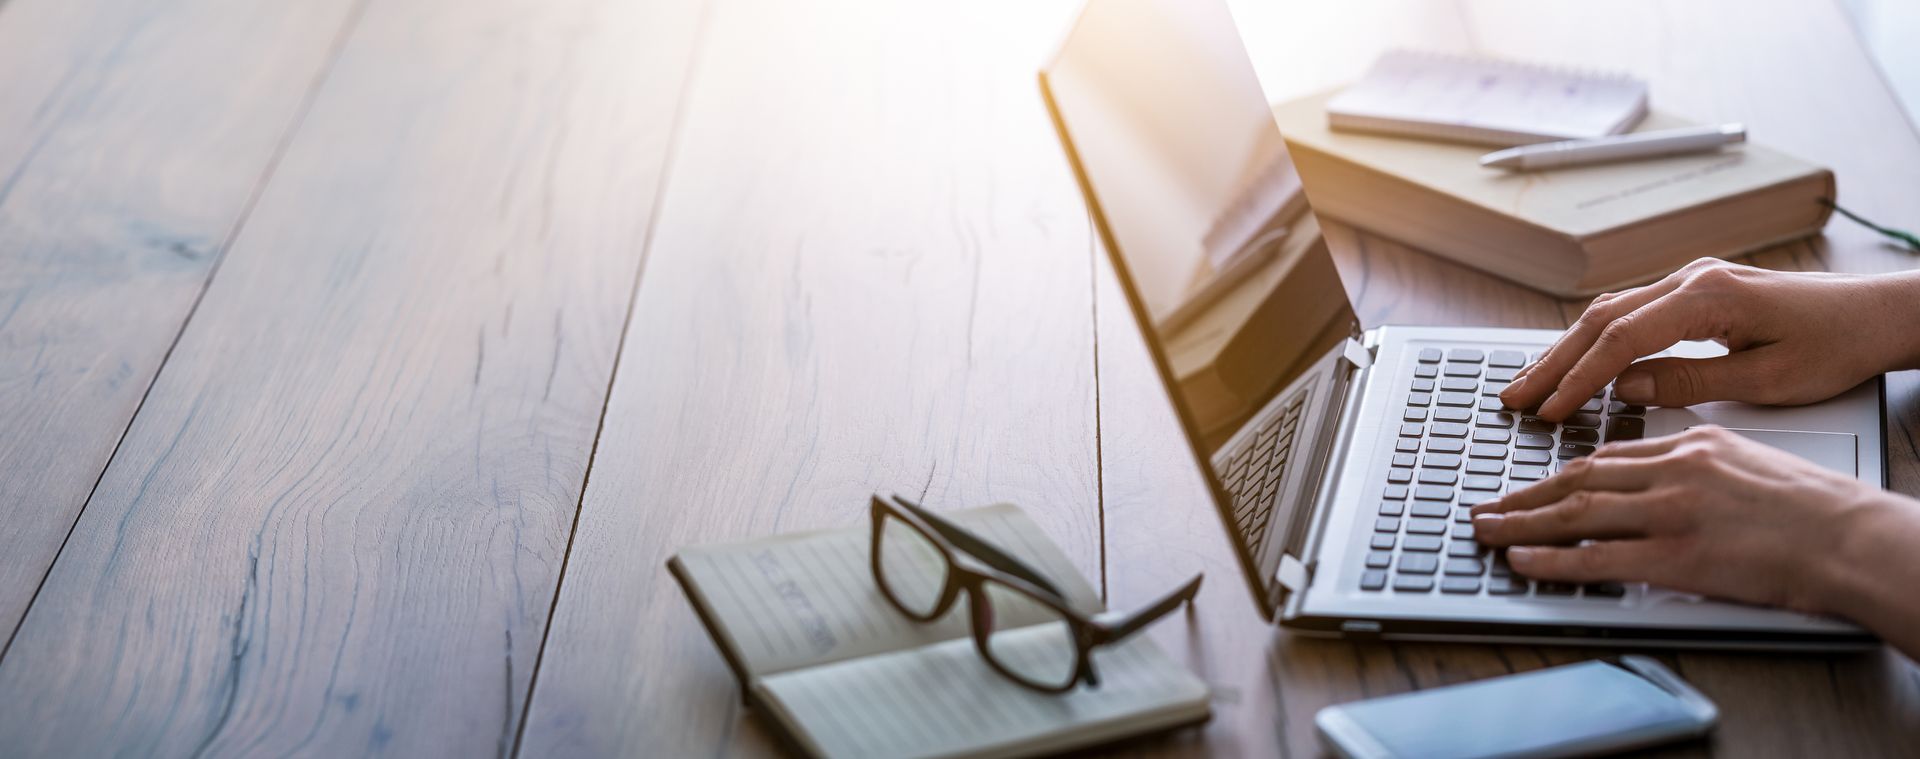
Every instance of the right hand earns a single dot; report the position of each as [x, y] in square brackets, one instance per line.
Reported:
[1791, 338]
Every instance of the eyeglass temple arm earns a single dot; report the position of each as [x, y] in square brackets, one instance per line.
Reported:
[980, 549]
[1139, 619]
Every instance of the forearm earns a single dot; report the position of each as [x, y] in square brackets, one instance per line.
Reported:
[1897, 300]
[1874, 579]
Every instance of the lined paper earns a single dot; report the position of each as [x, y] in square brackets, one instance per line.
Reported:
[804, 599]
[1488, 101]
[943, 700]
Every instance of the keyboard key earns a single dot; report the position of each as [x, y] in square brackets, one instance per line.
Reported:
[1463, 514]
[1536, 424]
[1506, 586]
[1477, 497]
[1455, 399]
[1451, 415]
[1592, 405]
[1496, 419]
[1587, 437]
[1419, 399]
[1460, 585]
[1449, 429]
[1412, 430]
[1463, 548]
[1412, 583]
[1469, 355]
[1462, 532]
[1480, 482]
[1606, 590]
[1484, 466]
[1492, 388]
[1373, 580]
[1525, 440]
[1489, 435]
[1423, 385]
[1433, 493]
[1439, 476]
[1617, 408]
[1497, 567]
[1626, 428]
[1573, 450]
[1392, 508]
[1386, 524]
[1414, 414]
[1582, 420]
[1429, 355]
[1379, 559]
[1501, 375]
[1459, 385]
[1459, 566]
[1427, 543]
[1556, 588]
[1438, 460]
[1528, 473]
[1538, 458]
[1382, 541]
[1426, 371]
[1484, 451]
[1395, 493]
[1404, 445]
[1446, 445]
[1419, 563]
[1511, 359]
[1431, 509]
[1463, 370]
[1491, 404]
[1403, 459]
[1417, 526]
[1399, 476]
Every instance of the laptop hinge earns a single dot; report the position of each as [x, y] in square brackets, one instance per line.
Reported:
[1293, 574]
[1358, 355]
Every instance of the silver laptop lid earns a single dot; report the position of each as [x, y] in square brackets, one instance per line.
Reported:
[1221, 259]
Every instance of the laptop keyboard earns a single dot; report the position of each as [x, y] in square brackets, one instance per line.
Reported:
[1458, 447]
[1254, 473]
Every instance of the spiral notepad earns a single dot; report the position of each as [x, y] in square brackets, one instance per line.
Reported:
[1485, 101]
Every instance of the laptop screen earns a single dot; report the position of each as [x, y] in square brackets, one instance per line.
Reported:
[1210, 232]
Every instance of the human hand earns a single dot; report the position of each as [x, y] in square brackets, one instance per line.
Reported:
[1791, 338]
[1705, 511]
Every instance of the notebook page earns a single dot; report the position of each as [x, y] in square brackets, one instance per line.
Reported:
[801, 599]
[943, 700]
[1458, 97]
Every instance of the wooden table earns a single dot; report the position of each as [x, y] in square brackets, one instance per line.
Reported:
[362, 361]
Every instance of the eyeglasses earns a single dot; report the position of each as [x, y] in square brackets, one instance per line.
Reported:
[1022, 624]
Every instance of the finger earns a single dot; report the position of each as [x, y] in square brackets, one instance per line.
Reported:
[1637, 449]
[1650, 329]
[1745, 376]
[1584, 515]
[1619, 560]
[1589, 473]
[1536, 380]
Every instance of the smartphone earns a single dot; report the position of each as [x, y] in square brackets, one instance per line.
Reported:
[1594, 707]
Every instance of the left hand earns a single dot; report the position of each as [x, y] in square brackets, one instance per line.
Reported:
[1705, 511]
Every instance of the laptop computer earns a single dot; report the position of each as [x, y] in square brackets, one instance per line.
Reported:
[1343, 459]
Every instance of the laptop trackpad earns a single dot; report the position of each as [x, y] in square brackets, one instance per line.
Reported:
[1833, 450]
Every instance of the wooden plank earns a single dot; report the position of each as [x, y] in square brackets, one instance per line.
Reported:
[871, 273]
[336, 526]
[130, 147]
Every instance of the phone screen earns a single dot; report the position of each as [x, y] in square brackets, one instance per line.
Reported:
[1526, 713]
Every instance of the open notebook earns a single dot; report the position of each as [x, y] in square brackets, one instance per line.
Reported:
[819, 651]
[1486, 101]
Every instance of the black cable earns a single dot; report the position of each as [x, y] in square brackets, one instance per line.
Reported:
[1912, 241]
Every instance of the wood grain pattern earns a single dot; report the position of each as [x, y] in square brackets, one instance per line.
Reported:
[871, 272]
[129, 149]
[336, 525]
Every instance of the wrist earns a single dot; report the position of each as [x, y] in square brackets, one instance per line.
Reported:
[1897, 299]
[1875, 531]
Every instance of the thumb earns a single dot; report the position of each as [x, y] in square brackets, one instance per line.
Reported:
[1745, 376]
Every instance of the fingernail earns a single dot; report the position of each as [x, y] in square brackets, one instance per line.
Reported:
[1519, 555]
[1634, 387]
[1487, 520]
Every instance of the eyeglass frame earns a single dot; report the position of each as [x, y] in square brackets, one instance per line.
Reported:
[1000, 567]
